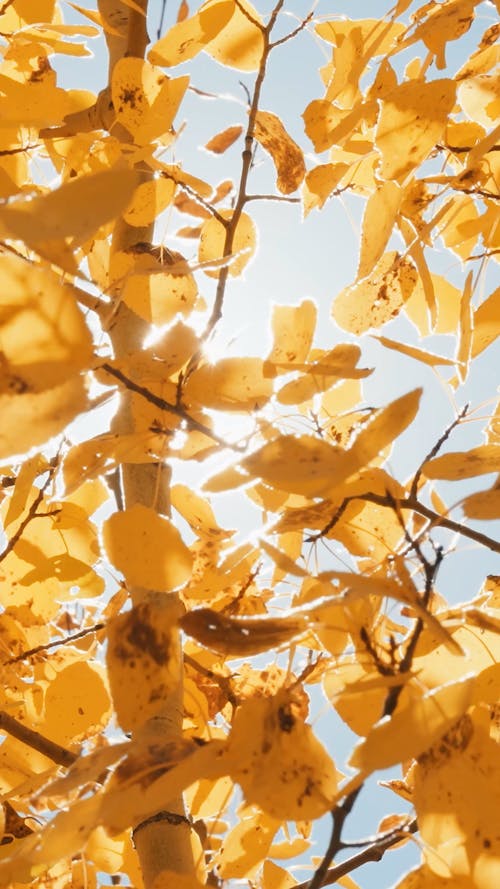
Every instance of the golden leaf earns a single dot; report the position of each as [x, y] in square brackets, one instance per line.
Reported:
[457, 802]
[464, 464]
[278, 762]
[190, 35]
[413, 728]
[232, 384]
[293, 331]
[77, 704]
[429, 358]
[378, 298]
[240, 43]
[75, 210]
[378, 223]
[246, 845]
[149, 200]
[147, 549]
[43, 334]
[222, 141]
[483, 505]
[143, 660]
[30, 419]
[236, 636]
[412, 119]
[319, 184]
[286, 154]
[145, 100]
[485, 323]
[213, 241]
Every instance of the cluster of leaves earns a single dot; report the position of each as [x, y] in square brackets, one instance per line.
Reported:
[417, 680]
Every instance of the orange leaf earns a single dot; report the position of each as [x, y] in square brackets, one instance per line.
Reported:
[286, 154]
[222, 141]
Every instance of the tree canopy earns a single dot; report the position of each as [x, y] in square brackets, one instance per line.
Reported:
[204, 539]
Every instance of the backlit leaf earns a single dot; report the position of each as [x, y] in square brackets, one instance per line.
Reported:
[222, 141]
[412, 119]
[145, 100]
[143, 660]
[188, 37]
[293, 330]
[378, 298]
[77, 704]
[31, 419]
[452, 796]
[147, 549]
[149, 200]
[240, 43]
[319, 184]
[413, 728]
[234, 384]
[483, 505]
[286, 154]
[378, 222]
[281, 766]
[75, 210]
[43, 334]
[213, 240]
[413, 352]
[464, 464]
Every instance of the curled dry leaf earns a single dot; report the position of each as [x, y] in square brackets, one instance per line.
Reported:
[286, 154]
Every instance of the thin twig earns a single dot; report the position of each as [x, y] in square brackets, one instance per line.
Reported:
[32, 513]
[372, 853]
[163, 405]
[36, 741]
[223, 682]
[437, 447]
[339, 815]
[415, 505]
[296, 31]
[271, 197]
[31, 652]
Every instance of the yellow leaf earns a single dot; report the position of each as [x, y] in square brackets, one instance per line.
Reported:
[43, 334]
[143, 660]
[149, 200]
[413, 352]
[75, 210]
[465, 331]
[339, 363]
[240, 43]
[424, 878]
[378, 298]
[31, 419]
[278, 762]
[479, 98]
[464, 464]
[485, 323]
[319, 184]
[483, 505]
[197, 512]
[414, 728]
[213, 243]
[166, 879]
[147, 549]
[286, 154]
[232, 384]
[188, 37]
[293, 331]
[302, 465]
[222, 141]
[275, 877]
[412, 119]
[377, 35]
[145, 100]
[457, 802]
[246, 845]
[378, 223]
[77, 704]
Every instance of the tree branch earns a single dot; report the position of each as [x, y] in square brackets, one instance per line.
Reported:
[53, 751]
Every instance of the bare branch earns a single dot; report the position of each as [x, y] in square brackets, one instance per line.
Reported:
[31, 652]
[437, 447]
[296, 31]
[36, 741]
[373, 853]
[32, 512]
[339, 815]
